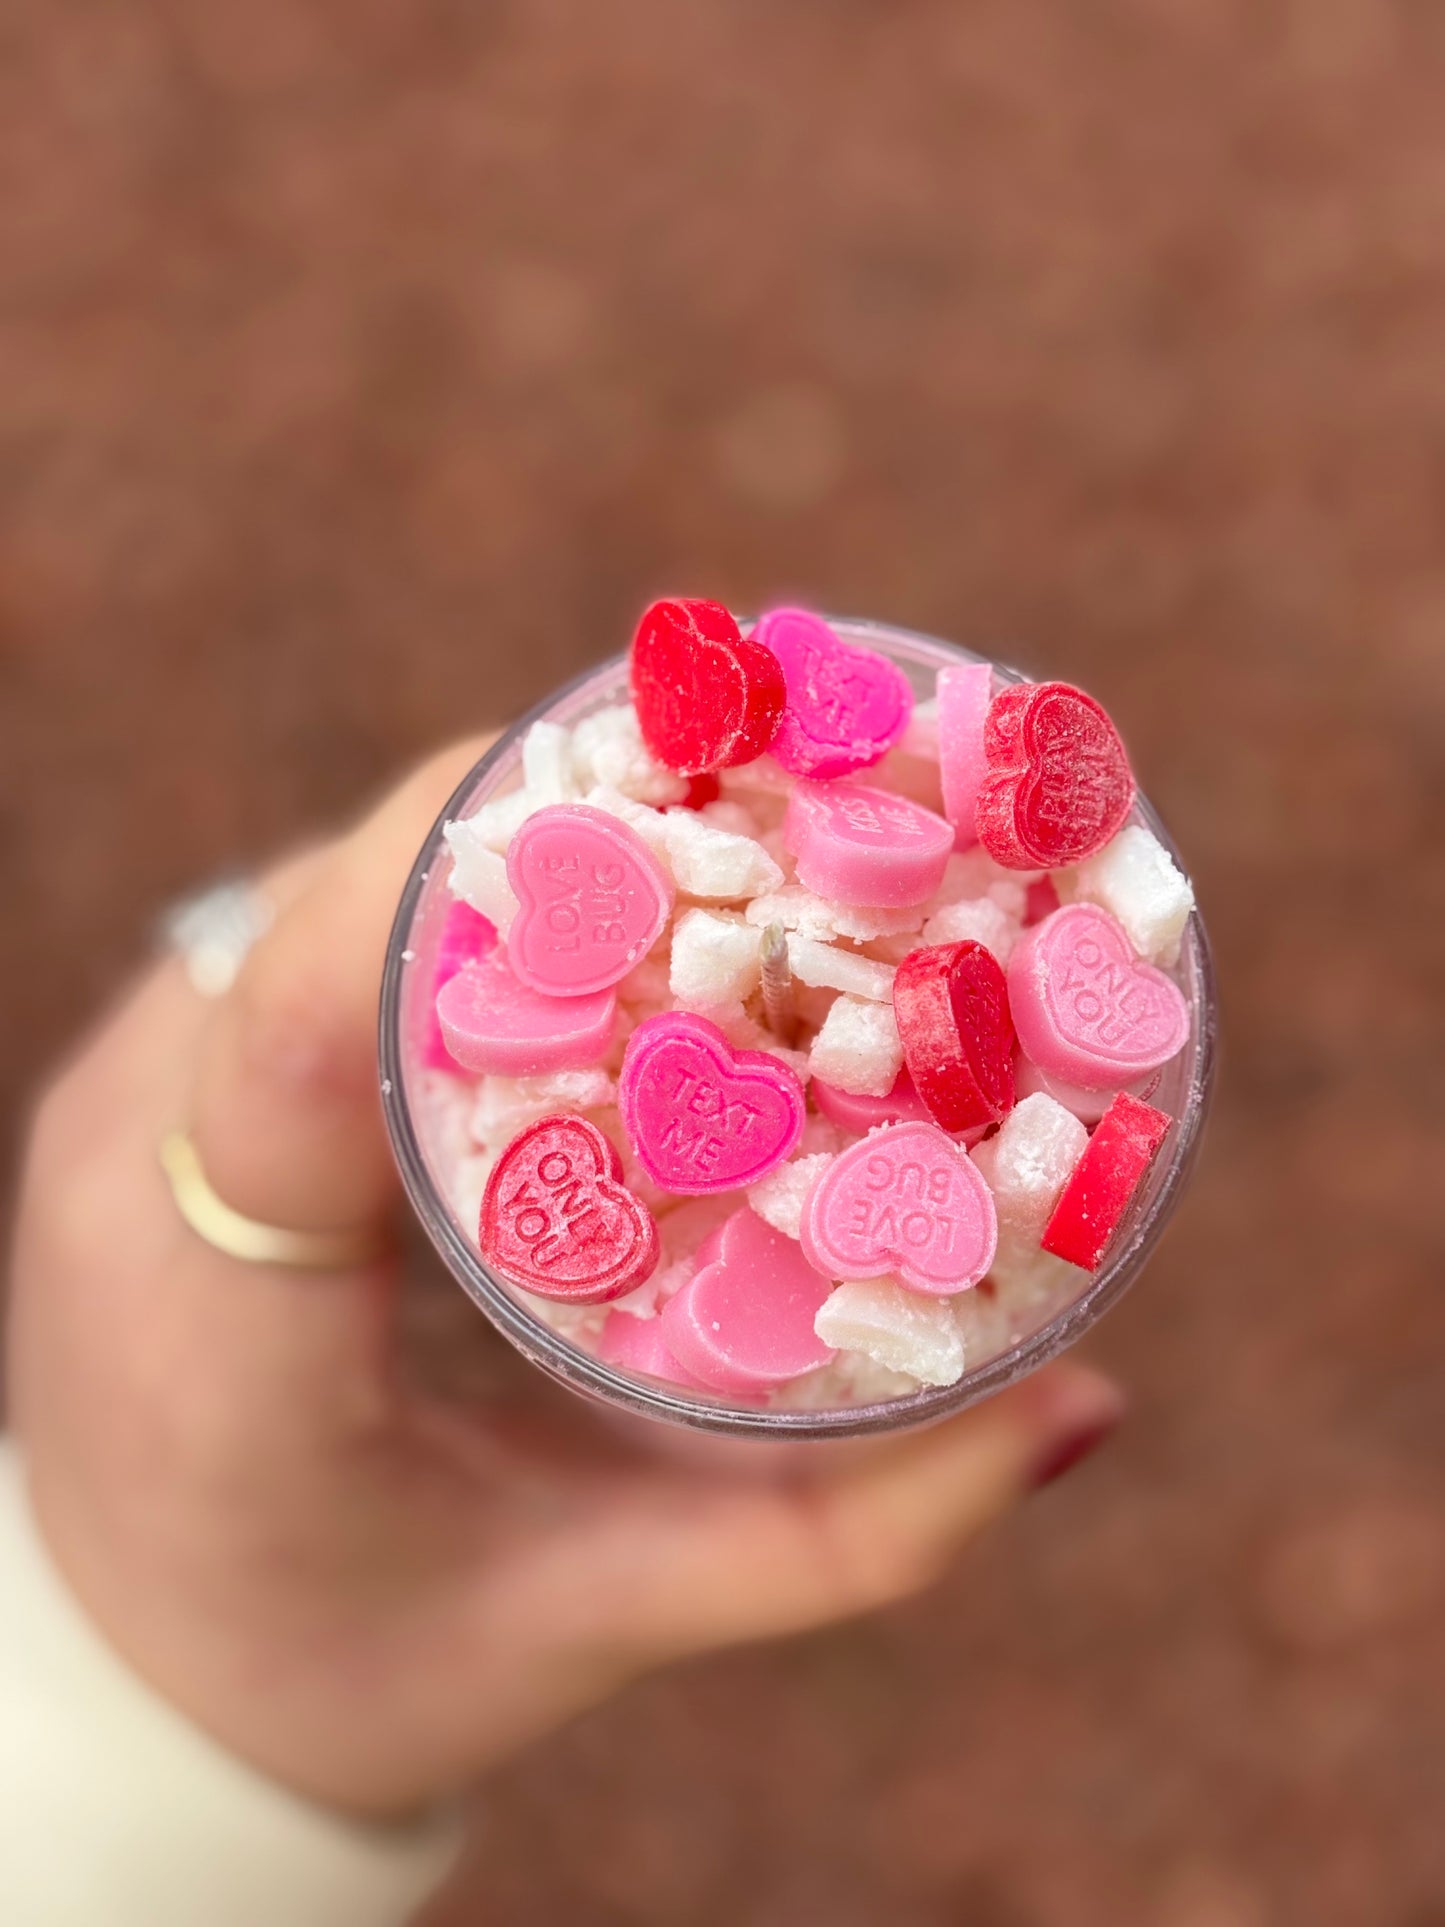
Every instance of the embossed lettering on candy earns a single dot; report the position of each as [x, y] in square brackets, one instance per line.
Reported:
[593, 897]
[846, 707]
[700, 1115]
[904, 1199]
[1086, 1008]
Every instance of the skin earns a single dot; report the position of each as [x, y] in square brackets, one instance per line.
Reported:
[368, 1573]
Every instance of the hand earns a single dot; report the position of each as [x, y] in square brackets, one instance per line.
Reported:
[371, 1588]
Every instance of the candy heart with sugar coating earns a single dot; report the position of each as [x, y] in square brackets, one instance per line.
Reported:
[557, 1218]
[1058, 784]
[744, 1322]
[846, 707]
[593, 900]
[1103, 1183]
[952, 1005]
[904, 1199]
[706, 697]
[700, 1115]
[1086, 1008]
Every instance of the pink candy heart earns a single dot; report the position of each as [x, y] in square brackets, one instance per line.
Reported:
[744, 1322]
[964, 693]
[1085, 1007]
[904, 1199]
[593, 897]
[866, 846]
[846, 707]
[700, 1115]
[490, 1022]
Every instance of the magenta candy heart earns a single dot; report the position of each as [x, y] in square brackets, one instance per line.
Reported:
[700, 1115]
[490, 1022]
[1088, 1010]
[593, 900]
[904, 1199]
[744, 1322]
[846, 707]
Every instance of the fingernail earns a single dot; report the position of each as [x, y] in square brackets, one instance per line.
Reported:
[1078, 1433]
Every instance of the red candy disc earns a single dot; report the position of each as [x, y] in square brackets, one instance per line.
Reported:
[1124, 1145]
[951, 1002]
[1058, 784]
[556, 1218]
[705, 698]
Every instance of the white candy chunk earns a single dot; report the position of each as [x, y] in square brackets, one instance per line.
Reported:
[1029, 1162]
[858, 1049]
[709, 862]
[815, 917]
[479, 874]
[728, 814]
[506, 1104]
[547, 764]
[826, 968]
[1031, 1286]
[715, 958]
[900, 1329]
[607, 749]
[779, 1197]
[848, 1379]
[648, 823]
[493, 824]
[1136, 880]
[979, 920]
[920, 735]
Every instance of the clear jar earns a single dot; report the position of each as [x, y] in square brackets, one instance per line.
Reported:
[1183, 1091]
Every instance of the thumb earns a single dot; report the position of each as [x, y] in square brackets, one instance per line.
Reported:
[286, 1114]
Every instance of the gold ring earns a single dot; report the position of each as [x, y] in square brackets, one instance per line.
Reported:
[212, 1219]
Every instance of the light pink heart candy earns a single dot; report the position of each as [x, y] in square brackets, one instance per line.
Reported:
[593, 900]
[640, 1345]
[466, 935]
[700, 1115]
[904, 1199]
[744, 1322]
[846, 707]
[1088, 1010]
[866, 846]
[902, 1105]
[964, 692]
[491, 1022]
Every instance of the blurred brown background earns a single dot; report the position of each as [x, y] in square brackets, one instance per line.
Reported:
[366, 366]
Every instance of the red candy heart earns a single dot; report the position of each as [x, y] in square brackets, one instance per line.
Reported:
[705, 698]
[556, 1218]
[1104, 1181]
[951, 1002]
[1058, 784]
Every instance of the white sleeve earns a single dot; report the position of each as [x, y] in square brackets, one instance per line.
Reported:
[116, 1812]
